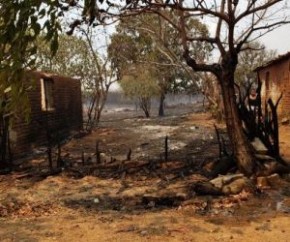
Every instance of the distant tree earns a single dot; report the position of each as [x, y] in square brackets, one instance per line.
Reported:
[254, 55]
[140, 83]
[71, 59]
[98, 84]
[150, 40]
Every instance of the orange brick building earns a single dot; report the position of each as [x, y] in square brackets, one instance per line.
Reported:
[275, 77]
[56, 107]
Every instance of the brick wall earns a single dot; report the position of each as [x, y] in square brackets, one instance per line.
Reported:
[65, 117]
[279, 82]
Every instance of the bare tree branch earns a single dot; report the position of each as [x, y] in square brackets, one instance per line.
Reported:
[252, 9]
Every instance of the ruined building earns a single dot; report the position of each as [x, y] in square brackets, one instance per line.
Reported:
[56, 110]
[275, 77]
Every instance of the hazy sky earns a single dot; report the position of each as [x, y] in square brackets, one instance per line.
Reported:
[278, 39]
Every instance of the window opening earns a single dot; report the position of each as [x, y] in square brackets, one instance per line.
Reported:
[47, 100]
[267, 81]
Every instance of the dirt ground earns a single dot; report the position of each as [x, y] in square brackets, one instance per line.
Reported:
[146, 198]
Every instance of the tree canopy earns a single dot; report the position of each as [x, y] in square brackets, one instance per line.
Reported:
[140, 84]
[149, 40]
[21, 22]
[254, 56]
[73, 57]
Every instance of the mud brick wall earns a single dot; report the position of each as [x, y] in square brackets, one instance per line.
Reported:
[65, 117]
[279, 82]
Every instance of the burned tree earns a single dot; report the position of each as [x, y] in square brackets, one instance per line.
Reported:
[261, 123]
[98, 79]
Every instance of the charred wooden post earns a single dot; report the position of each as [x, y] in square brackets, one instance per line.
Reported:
[113, 159]
[166, 149]
[59, 159]
[224, 147]
[259, 101]
[275, 126]
[83, 157]
[121, 166]
[265, 130]
[98, 153]
[152, 166]
[49, 140]
[49, 156]
[129, 154]
[219, 141]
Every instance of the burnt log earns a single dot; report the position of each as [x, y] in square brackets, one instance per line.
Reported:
[220, 166]
[207, 188]
[166, 149]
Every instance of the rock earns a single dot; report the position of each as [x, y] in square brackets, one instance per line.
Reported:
[104, 157]
[220, 181]
[262, 182]
[193, 127]
[151, 204]
[285, 121]
[143, 145]
[144, 233]
[239, 185]
[233, 184]
[282, 207]
[274, 180]
[207, 188]
[228, 184]
[286, 177]
[220, 166]
[259, 146]
[272, 167]
[166, 199]
[264, 157]
[169, 177]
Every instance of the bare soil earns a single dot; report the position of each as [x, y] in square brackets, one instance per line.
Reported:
[142, 199]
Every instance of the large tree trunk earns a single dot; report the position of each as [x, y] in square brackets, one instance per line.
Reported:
[161, 105]
[241, 147]
[240, 144]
